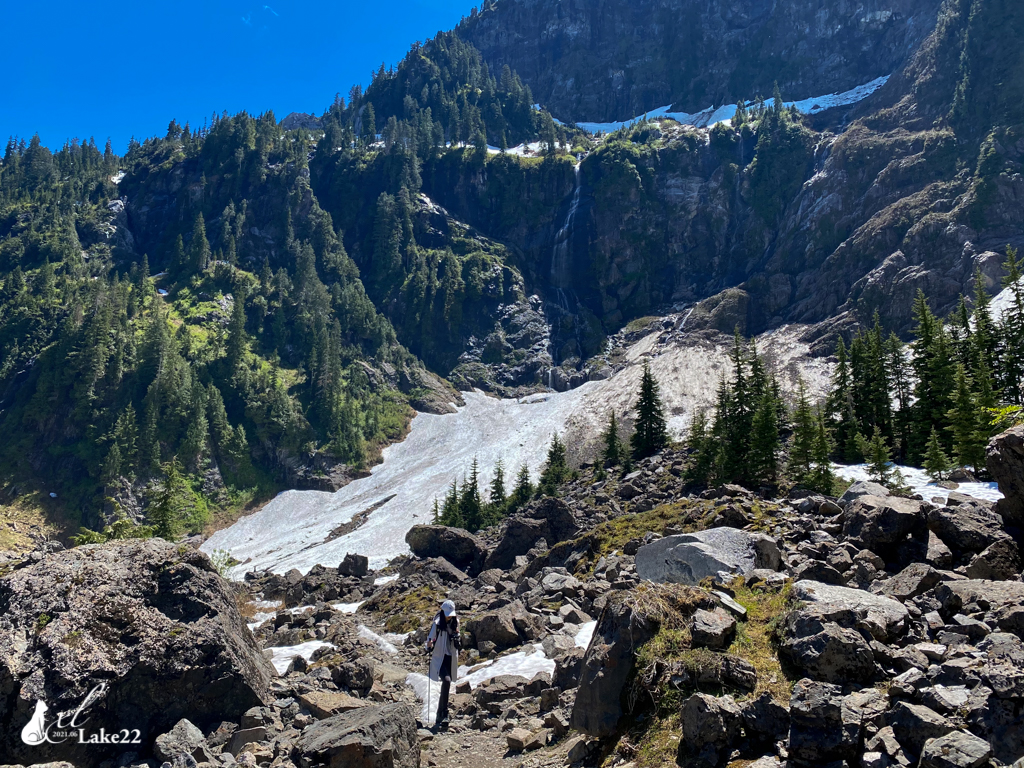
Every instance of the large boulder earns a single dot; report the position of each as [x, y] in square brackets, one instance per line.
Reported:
[968, 595]
[1005, 460]
[688, 558]
[710, 725]
[881, 523]
[368, 737]
[607, 666]
[826, 651]
[146, 629]
[862, 488]
[882, 616]
[999, 561]
[970, 526]
[459, 547]
[816, 724]
[496, 627]
[549, 519]
[957, 749]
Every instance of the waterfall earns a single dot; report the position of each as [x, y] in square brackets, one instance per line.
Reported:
[561, 255]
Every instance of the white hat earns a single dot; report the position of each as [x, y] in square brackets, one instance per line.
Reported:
[448, 608]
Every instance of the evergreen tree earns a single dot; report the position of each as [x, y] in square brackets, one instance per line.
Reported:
[555, 468]
[801, 451]
[880, 467]
[497, 495]
[764, 442]
[199, 247]
[650, 432]
[702, 448]
[523, 490]
[1011, 331]
[936, 462]
[451, 510]
[612, 454]
[176, 508]
[822, 478]
[470, 503]
[968, 438]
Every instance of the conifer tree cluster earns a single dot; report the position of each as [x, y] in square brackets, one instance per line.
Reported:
[931, 402]
[465, 506]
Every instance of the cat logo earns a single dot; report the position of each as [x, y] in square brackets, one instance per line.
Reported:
[34, 733]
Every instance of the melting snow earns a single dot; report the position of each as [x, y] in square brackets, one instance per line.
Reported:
[116, 178]
[919, 482]
[522, 663]
[1001, 304]
[712, 115]
[282, 656]
[586, 634]
[347, 607]
[293, 530]
[385, 579]
[383, 643]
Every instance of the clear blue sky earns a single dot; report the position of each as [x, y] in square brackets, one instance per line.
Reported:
[81, 69]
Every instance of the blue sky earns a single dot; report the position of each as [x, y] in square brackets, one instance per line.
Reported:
[116, 70]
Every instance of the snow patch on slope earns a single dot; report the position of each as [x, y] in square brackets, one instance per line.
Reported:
[712, 115]
[919, 482]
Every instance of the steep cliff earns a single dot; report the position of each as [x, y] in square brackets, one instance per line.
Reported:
[600, 60]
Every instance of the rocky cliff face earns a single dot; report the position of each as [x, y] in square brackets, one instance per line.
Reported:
[600, 60]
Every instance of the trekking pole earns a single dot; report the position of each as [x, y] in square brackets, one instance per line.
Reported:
[426, 720]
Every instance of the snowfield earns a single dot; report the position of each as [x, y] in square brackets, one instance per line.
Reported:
[295, 529]
[712, 115]
[919, 482]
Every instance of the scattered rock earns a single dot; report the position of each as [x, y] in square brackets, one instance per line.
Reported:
[712, 629]
[958, 749]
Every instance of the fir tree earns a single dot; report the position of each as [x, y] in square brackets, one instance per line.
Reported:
[936, 462]
[199, 247]
[523, 490]
[470, 503]
[764, 442]
[968, 438]
[650, 433]
[822, 478]
[497, 495]
[702, 448]
[555, 468]
[801, 451]
[611, 456]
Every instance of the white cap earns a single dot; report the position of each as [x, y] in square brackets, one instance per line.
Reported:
[448, 608]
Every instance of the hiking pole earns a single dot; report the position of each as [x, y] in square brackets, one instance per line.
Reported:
[426, 720]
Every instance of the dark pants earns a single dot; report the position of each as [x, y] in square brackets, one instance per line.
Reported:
[445, 675]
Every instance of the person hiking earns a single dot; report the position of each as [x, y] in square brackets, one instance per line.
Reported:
[444, 644]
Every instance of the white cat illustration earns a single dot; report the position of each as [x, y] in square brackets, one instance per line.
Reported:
[35, 731]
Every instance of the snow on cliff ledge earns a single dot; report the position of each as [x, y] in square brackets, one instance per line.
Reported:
[712, 115]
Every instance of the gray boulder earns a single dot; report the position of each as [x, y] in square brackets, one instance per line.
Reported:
[153, 621]
[459, 547]
[549, 519]
[765, 720]
[882, 616]
[958, 749]
[368, 737]
[881, 523]
[688, 558]
[999, 561]
[826, 651]
[710, 725]
[816, 724]
[914, 724]
[967, 527]
[914, 580]
[712, 629]
[496, 627]
[959, 596]
[1005, 460]
[354, 565]
[607, 666]
[182, 739]
[862, 488]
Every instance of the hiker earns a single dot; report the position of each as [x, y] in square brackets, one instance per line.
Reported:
[444, 644]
